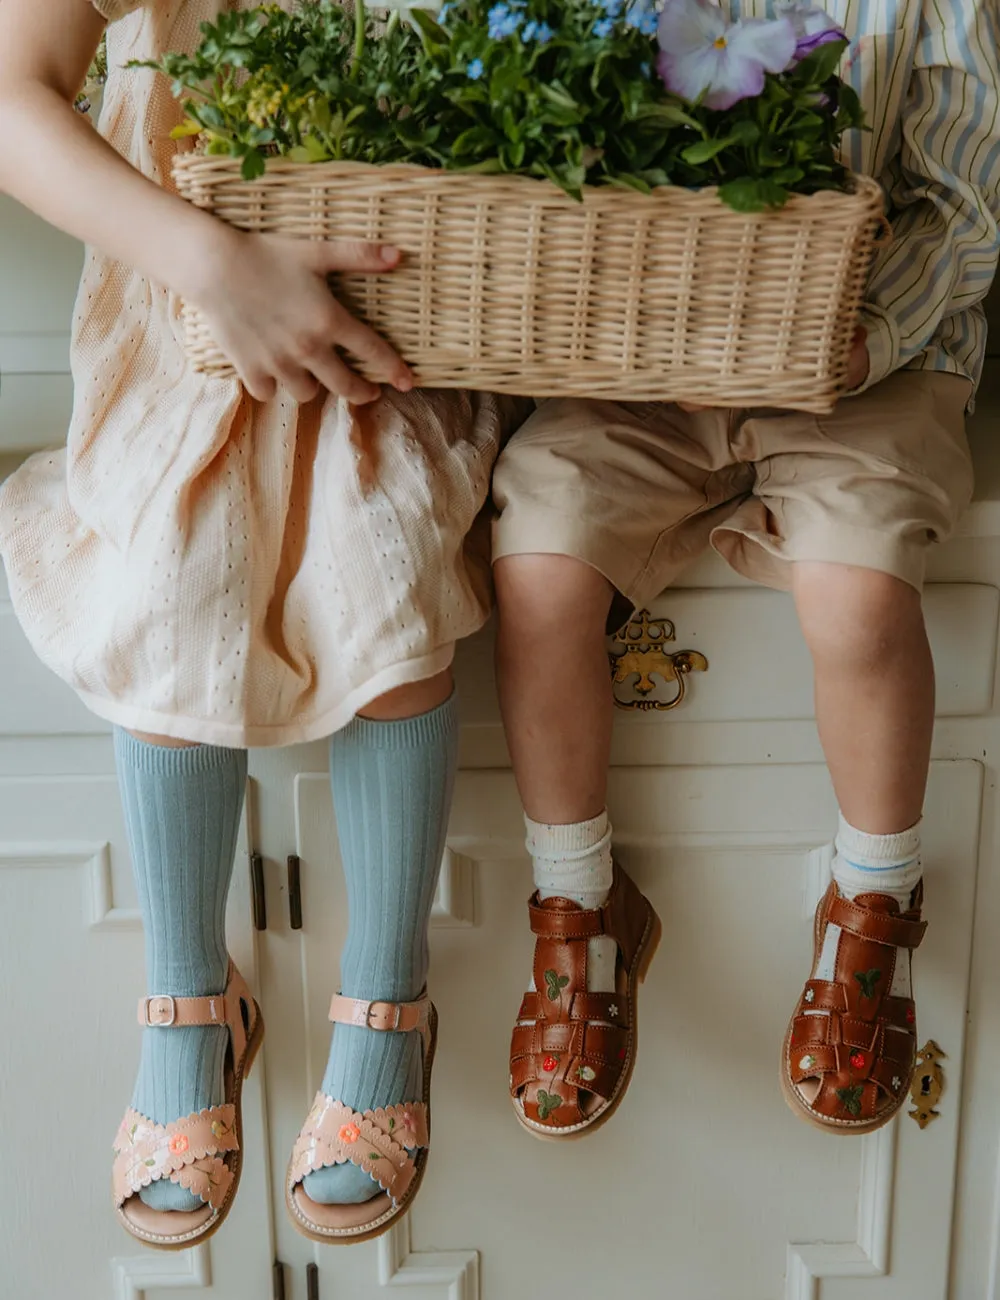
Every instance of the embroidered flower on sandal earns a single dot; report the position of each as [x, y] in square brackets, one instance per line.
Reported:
[187, 1151]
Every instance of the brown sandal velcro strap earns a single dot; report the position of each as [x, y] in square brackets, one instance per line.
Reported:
[823, 995]
[387, 1017]
[609, 1007]
[549, 923]
[877, 927]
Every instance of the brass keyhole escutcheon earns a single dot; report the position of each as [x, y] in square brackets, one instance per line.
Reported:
[644, 657]
[928, 1083]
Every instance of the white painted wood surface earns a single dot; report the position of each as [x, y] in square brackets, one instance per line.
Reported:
[704, 1187]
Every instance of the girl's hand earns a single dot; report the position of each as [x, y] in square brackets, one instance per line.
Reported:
[267, 302]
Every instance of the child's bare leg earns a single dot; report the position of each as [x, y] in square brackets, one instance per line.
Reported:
[850, 1053]
[874, 690]
[557, 709]
[554, 683]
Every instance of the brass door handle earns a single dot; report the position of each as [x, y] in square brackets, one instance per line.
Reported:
[643, 657]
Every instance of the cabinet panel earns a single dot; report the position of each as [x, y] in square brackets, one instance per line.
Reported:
[759, 668]
[704, 1184]
[71, 966]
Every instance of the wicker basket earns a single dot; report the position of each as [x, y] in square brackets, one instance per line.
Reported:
[508, 285]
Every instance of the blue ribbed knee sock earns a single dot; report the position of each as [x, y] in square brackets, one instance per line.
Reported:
[182, 813]
[392, 787]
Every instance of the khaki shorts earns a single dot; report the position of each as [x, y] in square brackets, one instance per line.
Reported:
[639, 490]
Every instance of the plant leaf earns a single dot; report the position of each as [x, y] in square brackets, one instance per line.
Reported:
[703, 151]
[186, 128]
[253, 165]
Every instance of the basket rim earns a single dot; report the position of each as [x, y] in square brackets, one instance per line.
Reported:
[862, 190]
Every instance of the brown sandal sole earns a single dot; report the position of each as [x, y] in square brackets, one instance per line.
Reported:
[644, 958]
[383, 1221]
[840, 1128]
[210, 1226]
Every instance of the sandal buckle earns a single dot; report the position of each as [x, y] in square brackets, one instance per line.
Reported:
[396, 1008]
[163, 1004]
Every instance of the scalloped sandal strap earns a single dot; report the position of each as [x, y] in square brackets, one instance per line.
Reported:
[377, 1141]
[187, 1151]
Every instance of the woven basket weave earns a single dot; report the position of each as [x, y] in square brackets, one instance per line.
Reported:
[508, 285]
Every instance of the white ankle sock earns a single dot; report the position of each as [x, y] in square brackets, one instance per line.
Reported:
[874, 864]
[574, 861]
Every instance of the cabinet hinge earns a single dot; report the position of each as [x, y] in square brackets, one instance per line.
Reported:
[258, 901]
[278, 1281]
[294, 892]
[312, 1282]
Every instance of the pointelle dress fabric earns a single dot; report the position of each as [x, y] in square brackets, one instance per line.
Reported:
[200, 565]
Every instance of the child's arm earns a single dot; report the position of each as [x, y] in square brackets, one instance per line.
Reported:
[947, 196]
[266, 298]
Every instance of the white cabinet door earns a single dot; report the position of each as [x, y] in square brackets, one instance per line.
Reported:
[39, 270]
[704, 1186]
[71, 970]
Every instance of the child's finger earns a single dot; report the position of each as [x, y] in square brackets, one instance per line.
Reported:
[352, 255]
[259, 384]
[301, 385]
[339, 379]
[381, 358]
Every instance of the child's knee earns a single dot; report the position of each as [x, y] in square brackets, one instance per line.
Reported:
[546, 590]
[411, 699]
[852, 612]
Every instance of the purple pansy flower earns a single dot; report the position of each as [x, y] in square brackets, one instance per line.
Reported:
[813, 27]
[704, 57]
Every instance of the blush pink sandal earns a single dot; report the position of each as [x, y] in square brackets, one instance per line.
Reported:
[377, 1140]
[202, 1151]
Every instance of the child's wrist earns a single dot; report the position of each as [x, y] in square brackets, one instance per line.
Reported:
[203, 259]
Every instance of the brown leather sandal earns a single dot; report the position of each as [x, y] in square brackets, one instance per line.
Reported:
[377, 1140]
[572, 1052]
[202, 1151]
[849, 1068]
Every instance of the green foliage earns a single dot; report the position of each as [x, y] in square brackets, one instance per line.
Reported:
[578, 108]
[97, 75]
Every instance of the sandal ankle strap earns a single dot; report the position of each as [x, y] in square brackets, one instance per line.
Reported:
[399, 1017]
[900, 931]
[162, 1011]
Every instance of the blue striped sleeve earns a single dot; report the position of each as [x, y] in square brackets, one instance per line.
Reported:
[944, 196]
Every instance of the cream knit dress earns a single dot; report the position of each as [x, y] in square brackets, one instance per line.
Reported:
[200, 565]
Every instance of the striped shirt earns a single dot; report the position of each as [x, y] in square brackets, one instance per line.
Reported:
[928, 77]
